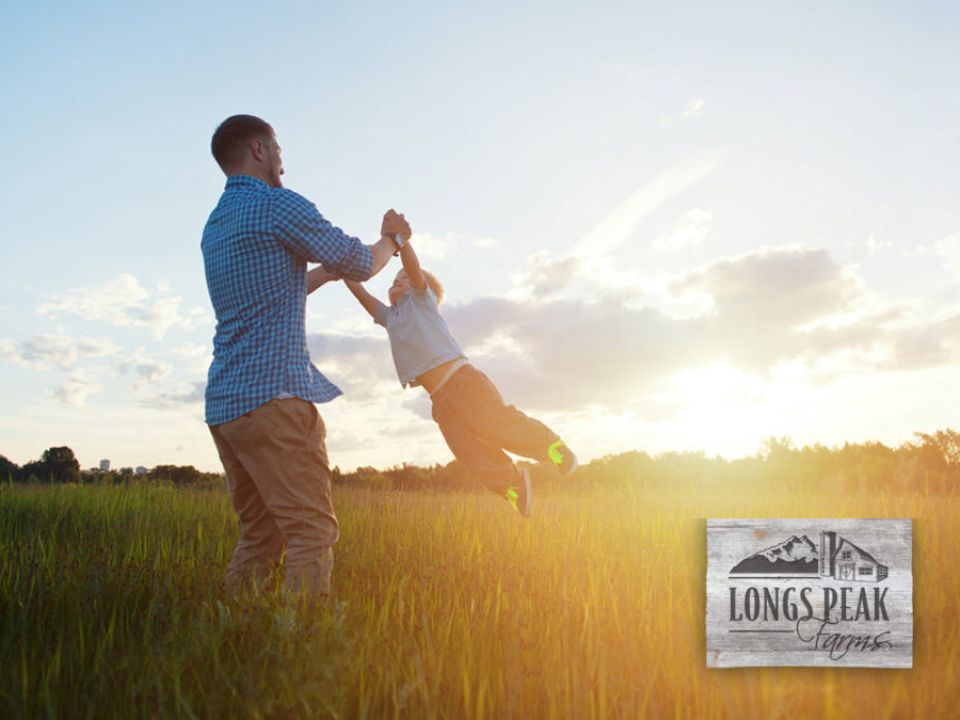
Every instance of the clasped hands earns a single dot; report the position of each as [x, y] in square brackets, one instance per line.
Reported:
[393, 224]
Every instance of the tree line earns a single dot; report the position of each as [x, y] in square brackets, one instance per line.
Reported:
[931, 462]
[60, 465]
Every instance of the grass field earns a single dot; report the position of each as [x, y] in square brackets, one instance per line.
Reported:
[446, 605]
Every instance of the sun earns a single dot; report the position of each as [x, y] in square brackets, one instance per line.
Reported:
[727, 411]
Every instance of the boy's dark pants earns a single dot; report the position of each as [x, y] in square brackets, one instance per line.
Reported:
[478, 426]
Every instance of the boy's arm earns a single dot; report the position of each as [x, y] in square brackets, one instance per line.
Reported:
[318, 277]
[411, 263]
[368, 301]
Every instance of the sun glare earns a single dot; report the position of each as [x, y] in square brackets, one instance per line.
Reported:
[728, 412]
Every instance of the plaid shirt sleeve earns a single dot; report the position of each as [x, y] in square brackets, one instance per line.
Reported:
[303, 231]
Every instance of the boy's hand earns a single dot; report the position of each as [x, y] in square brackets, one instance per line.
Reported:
[395, 223]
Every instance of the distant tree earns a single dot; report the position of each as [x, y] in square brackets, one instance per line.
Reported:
[59, 465]
[632, 465]
[455, 476]
[123, 476]
[179, 475]
[942, 448]
[411, 477]
[775, 449]
[33, 471]
[9, 470]
[369, 477]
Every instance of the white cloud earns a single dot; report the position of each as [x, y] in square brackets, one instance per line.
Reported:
[153, 371]
[926, 344]
[875, 245]
[359, 364]
[431, 247]
[75, 389]
[148, 373]
[194, 357]
[185, 394]
[193, 351]
[546, 274]
[948, 248]
[694, 108]
[689, 231]
[147, 369]
[156, 383]
[779, 284]
[54, 351]
[593, 256]
[621, 223]
[763, 310]
[124, 301]
[434, 247]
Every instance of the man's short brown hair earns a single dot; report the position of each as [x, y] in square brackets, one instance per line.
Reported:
[233, 134]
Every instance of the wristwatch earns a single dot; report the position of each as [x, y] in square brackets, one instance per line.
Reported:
[398, 241]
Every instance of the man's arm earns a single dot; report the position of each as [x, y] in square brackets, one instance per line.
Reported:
[381, 251]
[302, 230]
[318, 277]
[394, 223]
[411, 263]
[368, 301]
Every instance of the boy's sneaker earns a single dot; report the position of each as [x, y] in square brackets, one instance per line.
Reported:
[520, 496]
[562, 458]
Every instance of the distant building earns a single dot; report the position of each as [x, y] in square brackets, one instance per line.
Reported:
[141, 470]
[104, 466]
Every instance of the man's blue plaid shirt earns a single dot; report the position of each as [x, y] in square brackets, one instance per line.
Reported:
[256, 246]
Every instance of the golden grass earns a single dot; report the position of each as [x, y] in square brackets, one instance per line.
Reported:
[446, 605]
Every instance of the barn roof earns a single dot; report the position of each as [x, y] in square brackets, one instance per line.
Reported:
[859, 549]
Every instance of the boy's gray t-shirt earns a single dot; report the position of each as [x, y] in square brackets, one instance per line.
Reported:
[419, 337]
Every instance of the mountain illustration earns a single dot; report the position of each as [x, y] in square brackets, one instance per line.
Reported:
[796, 555]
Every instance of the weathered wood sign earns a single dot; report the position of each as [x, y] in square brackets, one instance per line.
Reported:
[832, 593]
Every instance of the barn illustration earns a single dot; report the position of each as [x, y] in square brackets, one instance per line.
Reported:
[842, 560]
[836, 557]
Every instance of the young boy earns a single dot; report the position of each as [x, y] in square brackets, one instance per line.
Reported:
[477, 425]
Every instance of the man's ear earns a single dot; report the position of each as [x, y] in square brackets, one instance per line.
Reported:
[257, 149]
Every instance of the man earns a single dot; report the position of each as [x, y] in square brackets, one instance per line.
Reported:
[261, 385]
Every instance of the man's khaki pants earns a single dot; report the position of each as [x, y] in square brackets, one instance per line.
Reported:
[279, 480]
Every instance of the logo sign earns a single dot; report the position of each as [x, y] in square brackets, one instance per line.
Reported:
[830, 593]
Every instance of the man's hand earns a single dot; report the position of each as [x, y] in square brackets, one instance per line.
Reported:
[395, 223]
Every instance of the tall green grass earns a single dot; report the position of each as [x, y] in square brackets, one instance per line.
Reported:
[112, 605]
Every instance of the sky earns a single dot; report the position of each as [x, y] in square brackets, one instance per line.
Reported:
[661, 226]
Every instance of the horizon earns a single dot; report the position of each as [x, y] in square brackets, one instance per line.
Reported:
[671, 229]
[781, 442]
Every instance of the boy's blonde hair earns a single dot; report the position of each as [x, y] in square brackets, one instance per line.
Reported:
[433, 284]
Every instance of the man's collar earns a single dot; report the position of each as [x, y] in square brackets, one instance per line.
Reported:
[236, 181]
